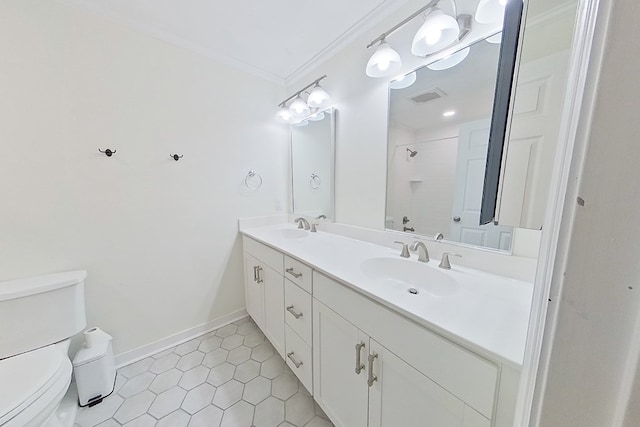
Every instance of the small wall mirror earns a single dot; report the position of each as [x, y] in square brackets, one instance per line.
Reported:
[312, 165]
[438, 137]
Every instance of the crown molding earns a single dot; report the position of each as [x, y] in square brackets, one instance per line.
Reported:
[366, 23]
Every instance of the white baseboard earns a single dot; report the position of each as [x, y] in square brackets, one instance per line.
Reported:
[140, 353]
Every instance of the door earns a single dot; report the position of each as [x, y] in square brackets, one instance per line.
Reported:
[254, 289]
[473, 140]
[273, 286]
[532, 147]
[339, 350]
[402, 396]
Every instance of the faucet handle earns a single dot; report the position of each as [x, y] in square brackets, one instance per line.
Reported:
[444, 263]
[405, 249]
[314, 228]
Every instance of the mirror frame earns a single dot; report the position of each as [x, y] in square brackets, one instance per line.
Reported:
[333, 115]
[502, 110]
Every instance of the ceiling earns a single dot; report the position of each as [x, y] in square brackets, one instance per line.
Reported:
[275, 39]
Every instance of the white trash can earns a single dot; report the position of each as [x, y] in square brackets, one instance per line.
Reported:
[94, 368]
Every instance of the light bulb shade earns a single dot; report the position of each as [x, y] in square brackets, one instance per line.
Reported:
[318, 98]
[384, 62]
[490, 11]
[299, 108]
[284, 115]
[438, 31]
[450, 61]
[403, 82]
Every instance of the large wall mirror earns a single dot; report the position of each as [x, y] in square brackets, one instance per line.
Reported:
[312, 165]
[438, 137]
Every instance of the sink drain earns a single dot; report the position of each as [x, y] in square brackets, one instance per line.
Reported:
[413, 291]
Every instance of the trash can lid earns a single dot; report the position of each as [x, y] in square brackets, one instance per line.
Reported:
[90, 354]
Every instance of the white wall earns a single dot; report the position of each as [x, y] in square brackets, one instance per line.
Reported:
[158, 237]
[593, 360]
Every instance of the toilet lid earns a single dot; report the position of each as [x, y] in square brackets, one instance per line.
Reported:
[25, 377]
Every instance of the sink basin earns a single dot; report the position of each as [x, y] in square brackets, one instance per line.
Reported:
[291, 233]
[410, 276]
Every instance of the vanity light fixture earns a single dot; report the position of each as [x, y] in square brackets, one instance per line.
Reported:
[439, 31]
[385, 61]
[318, 98]
[284, 115]
[490, 11]
[298, 110]
[450, 61]
[449, 113]
[403, 81]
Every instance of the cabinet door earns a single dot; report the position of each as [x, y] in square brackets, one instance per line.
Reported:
[402, 396]
[274, 308]
[338, 389]
[254, 289]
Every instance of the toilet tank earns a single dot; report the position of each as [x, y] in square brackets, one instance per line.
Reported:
[39, 311]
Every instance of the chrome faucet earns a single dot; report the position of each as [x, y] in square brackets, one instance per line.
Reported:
[405, 250]
[438, 237]
[302, 223]
[423, 255]
[444, 263]
[321, 216]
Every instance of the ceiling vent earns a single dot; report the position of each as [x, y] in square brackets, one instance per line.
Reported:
[428, 95]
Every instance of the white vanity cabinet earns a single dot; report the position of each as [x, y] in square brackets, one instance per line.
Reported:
[365, 364]
[406, 375]
[264, 289]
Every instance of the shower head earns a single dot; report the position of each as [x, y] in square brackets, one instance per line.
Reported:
[411, 152]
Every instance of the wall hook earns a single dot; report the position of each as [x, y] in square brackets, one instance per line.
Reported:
[108, 152]
[176, 157]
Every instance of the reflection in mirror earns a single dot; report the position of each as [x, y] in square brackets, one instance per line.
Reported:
[438, 136]
[537, 113]
[312, 165]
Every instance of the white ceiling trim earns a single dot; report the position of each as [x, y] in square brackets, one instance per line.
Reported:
[178, 41]
[363, 25]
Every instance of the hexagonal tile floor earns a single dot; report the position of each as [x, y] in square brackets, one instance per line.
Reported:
[231, 377]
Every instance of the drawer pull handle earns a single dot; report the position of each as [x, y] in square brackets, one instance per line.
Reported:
[372, 378]
[256, 274]
[294, 274]
[292, 311]
[295, 362]
[359, 364]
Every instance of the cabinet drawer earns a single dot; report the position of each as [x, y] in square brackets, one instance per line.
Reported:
[297, 304]
[298, 273]
[466, 375]
[298, 357]
[264, 253]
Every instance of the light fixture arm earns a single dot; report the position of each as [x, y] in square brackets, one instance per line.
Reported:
[297, 94]
[432, 3]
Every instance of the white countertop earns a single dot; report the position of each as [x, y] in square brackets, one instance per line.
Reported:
[488, 314]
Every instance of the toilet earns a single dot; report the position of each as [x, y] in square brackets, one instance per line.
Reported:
[38, 316]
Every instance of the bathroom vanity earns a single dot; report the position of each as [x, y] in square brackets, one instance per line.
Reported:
[379, 340]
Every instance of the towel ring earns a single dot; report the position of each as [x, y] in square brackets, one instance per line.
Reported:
[253, 180]
[315, 181]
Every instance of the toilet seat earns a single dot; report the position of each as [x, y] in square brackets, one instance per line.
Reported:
[32, 385]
